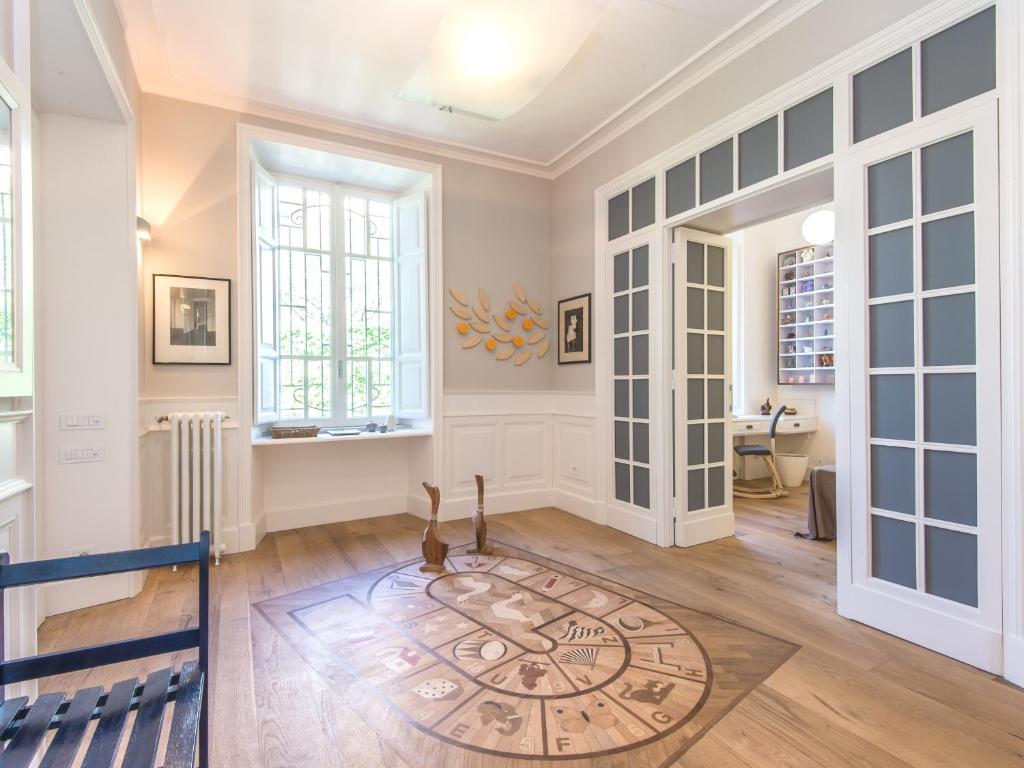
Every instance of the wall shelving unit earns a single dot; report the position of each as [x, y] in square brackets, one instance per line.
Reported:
[806, 315]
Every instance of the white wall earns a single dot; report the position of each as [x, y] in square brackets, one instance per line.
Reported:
[758, 248]
[88, 344]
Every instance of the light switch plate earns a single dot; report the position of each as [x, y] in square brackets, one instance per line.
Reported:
[79, 455]
[81, 421]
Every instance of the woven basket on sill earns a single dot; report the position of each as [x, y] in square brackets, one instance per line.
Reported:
[284, 433]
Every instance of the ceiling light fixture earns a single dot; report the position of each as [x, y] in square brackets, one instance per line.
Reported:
[490, 58]
[819, 228]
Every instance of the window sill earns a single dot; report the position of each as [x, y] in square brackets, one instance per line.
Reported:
[396, 434]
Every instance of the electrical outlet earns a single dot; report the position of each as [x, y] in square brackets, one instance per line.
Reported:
[79, 455]
[81, 421]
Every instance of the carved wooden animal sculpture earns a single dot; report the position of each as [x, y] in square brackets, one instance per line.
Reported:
[479, 524]
[435, 550]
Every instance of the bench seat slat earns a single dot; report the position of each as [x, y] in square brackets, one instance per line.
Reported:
[145, 738]
[73, 725]
[9, 710]
[22, 748]
[103, 747]
[181, 741]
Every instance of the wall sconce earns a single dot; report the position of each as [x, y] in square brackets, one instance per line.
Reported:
[820, 227]
[143, 230]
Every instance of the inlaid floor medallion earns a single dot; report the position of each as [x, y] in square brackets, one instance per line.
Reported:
[518, 656]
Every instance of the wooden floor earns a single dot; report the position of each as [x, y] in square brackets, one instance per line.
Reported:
[852, 696]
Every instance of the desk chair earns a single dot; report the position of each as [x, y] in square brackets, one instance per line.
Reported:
[775, 489]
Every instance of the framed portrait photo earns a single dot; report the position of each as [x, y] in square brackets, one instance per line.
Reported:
[574, 330]
[191, 320]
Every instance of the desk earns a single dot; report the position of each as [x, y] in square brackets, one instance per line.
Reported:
[754, 426]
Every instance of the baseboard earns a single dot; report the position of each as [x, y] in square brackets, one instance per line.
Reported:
[67, 596]
[461, 507]
[708, 529]
[336, 512]
[574, 503]
[1013, 659]
[231, 538]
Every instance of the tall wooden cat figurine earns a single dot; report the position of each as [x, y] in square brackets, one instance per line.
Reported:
[479, 524]
[435, 550]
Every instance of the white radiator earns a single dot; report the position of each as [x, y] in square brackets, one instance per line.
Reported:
[197, 473]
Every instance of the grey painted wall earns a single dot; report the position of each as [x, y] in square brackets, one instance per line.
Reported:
[496, 231]
[776, 61]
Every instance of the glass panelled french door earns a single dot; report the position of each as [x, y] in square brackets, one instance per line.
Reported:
[702, 384]
[920, 517]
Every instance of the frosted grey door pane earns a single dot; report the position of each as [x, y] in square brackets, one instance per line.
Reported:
[894, 551]
[642, 487]
[891, 263]
[695, 398]
[716, 398]
[643, 204]
[892, 406]
[640, 402]
[621, 264]
[695, 489]
[892, 334]
[618, 216]
[892, 478]
[694, 262]
[883, 96]
[640, 277]
[716, 171]
[622, 482]
[959, 62]
[641, 443]
[947, 252]
[716, 443]
[951, 565]
[759, 152]
[621, 311]
[622, 440]
[949, 330]
[622, 398]
[694, 444]
[622, 356]
[807, 130]
[681, 187]
[890, 191]
[716, 311]
[716, 266]
[950, 403]
[694, 353]
[716, 486]
[695, 308]
[951, 486]
[716, 355]
[947, 174]
[640, 310]
[640, 361]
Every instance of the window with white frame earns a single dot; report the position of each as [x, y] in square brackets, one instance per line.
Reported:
[333, 354]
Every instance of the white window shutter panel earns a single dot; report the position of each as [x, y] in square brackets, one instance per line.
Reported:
[411, 358]
[266, 341]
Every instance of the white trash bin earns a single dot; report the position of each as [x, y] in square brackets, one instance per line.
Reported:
[792, 468]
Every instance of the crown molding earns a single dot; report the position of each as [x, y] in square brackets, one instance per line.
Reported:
[367, 132]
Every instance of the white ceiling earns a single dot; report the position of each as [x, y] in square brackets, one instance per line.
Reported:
[348, 60]
[328, 166]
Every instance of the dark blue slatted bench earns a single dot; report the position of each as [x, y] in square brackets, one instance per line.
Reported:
[23, 726]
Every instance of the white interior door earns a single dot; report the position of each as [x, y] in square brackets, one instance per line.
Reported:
[702, 387]
[919, 501]
[634, 486]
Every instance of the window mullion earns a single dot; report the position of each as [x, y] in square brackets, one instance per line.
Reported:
[339, 350]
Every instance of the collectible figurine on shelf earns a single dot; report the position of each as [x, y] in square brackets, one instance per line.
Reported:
[766, 408]
[479, 524]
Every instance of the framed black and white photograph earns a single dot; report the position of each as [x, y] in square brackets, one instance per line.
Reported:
[574, 330]
[191, 320]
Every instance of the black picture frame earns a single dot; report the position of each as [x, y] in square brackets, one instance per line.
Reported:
[574, 304]
[156, 303]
